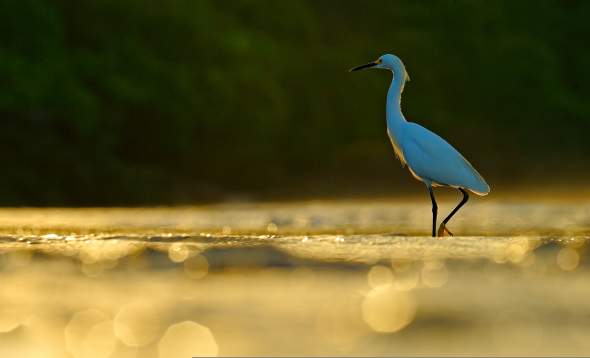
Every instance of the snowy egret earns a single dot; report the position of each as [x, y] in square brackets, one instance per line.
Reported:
[430, 158]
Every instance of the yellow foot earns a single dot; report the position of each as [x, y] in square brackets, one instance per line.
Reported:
[442, 229]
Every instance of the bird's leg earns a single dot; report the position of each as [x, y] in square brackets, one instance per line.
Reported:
[434, 211]
[443, 228]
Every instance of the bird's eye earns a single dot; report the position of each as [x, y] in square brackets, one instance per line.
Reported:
[378, 61]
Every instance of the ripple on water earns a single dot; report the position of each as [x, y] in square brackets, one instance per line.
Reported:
[312, 278]
[363, 249]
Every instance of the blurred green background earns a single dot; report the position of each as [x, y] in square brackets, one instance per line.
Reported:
[163, 102]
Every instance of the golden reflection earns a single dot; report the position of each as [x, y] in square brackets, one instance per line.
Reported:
[42, 336]
[500, 258]
[271, 227]
[386, 309]
[434, 274]
[379, 275]
[92, 269]
[17, 259]
[406, 275]
[516, 252]
[64, 249]
[580, 332]
[110, 264]
[401, 265]
[178, 252]
[303, 294]
[137, 324]
[187, 339]
[123, 351]
[301, 278]
[95, 251]
[576, 242]
[339, 323]
[514, 330]
[196, 267]
[568, 259]
[89, 334]
[12, 315]
[528, 260]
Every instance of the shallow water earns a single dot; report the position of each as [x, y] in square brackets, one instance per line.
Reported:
[307, 278]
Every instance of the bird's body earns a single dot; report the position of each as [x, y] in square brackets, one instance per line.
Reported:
[430, 158]
[434, 161]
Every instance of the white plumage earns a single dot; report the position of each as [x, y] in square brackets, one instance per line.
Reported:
[430, 158]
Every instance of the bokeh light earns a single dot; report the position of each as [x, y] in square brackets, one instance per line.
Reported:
[386, 309]
[187, 339]
[137, 324]
[89, 334]
[434, 274]
[308, 294]
[178, 252]
[406, 275]
[568, 258]
[196, 267]
[379, 275]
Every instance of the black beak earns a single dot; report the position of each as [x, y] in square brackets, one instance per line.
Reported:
[362, 67]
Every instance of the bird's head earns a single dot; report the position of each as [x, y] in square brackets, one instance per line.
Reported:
[386, 62]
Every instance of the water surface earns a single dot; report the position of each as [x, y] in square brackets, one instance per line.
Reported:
[299, 278]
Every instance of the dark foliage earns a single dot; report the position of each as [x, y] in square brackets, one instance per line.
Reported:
[140, 102]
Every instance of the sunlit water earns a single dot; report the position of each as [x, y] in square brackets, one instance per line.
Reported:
[311, 278]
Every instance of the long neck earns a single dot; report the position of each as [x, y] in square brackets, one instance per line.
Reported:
[393, 109]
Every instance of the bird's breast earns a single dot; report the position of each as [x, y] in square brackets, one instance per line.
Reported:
[397, 149]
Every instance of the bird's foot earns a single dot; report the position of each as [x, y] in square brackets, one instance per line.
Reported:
[442, 229]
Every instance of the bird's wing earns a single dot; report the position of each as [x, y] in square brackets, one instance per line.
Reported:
[431, 157]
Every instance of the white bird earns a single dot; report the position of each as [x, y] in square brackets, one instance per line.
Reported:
[430, 158]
